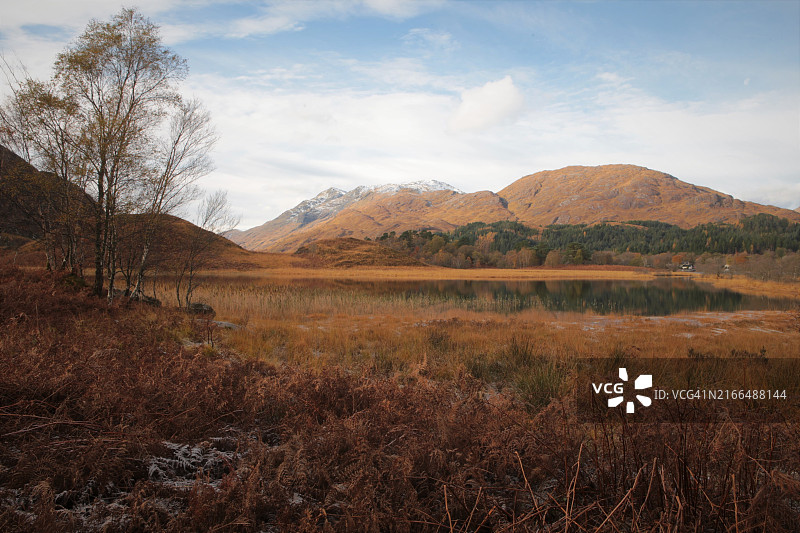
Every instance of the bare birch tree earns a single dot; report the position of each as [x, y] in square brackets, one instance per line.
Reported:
[43, 126]
[184, 157]
[213, 218]
[96, 124]
[123, 80]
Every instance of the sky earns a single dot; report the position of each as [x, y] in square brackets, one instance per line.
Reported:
[340, 93]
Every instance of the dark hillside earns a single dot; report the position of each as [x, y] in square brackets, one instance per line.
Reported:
[22, 189]
[36, 206]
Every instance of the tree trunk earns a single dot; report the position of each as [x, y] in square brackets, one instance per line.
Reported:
[97, 289]
[178, 290]
[138, 289]
[112, 260]
[155, 276]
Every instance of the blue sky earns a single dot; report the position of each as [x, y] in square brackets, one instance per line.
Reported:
[311, 95]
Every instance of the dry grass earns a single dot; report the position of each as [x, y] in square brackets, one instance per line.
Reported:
[392, 415]
[348, 252]
[319, 323]
[747, 285]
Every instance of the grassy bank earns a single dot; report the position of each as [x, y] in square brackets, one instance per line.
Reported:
[440, 273]
[753, 286]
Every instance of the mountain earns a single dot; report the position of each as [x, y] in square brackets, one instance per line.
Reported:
[571, 195]
[588, 195]
[280, 233]
[27, 195]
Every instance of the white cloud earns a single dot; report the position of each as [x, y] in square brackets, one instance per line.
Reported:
[74, 14]
[489, 105]
[611, 78]
[302, 143]
[286, 147]
[774, 192]
[269, 17]
[403, 73]
[292, 15]
[66, 20]
[429, 41]
[724, 145]
[248, 27]
[401, 9]
[278, 148]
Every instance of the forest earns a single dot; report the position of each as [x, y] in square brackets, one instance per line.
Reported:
[509, 244]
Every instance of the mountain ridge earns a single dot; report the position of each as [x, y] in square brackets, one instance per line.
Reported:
[571, 195]
[324, 206]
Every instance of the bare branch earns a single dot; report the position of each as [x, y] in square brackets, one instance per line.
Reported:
[215, 215]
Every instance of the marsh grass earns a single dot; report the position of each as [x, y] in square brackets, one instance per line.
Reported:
[317, 324]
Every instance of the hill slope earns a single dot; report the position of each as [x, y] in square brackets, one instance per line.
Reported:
[15, 178]
[567, 196]
[351, 252]
[30, 198]
[574, 195]
[386, 212]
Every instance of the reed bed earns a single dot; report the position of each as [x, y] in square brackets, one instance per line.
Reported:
[315, 324]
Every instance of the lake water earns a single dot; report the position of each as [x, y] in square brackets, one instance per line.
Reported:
[647, 298]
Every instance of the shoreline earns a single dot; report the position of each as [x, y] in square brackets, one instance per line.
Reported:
[737, 283]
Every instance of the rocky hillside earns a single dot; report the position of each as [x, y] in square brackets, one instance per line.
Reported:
[386, 212]
[570, 195]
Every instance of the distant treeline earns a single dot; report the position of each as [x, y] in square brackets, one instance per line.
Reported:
[512, 244]
[756, 234]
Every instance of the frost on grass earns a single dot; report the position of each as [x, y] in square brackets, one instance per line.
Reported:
[183, 465]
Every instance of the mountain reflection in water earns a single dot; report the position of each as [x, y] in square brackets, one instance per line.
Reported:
[647, 298]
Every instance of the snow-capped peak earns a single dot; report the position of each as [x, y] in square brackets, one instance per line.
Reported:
[332, 200]
[417, 186]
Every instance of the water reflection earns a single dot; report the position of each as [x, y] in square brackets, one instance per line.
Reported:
[649, 298]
